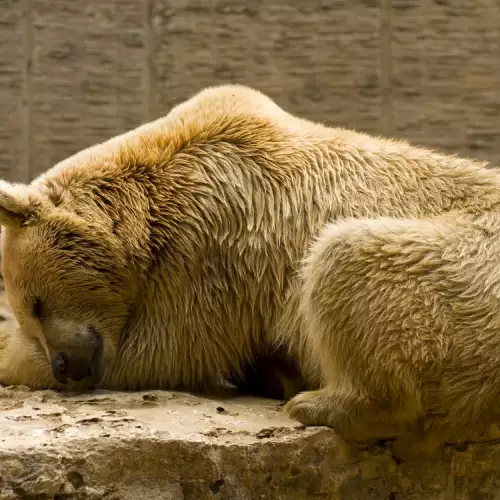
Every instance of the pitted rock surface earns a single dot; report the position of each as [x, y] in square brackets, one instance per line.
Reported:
[171, 445]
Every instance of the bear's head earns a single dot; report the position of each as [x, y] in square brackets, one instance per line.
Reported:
[66, 280]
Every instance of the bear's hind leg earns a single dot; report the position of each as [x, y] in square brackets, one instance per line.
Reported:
[390, 306]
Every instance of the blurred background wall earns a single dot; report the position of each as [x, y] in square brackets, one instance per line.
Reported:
[75, 72]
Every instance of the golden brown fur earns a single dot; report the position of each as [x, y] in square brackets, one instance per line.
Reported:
[181, 243]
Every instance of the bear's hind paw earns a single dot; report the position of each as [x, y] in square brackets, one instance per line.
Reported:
[310, 408]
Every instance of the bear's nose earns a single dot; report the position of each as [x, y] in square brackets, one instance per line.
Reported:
[60, 367]
[79, 363]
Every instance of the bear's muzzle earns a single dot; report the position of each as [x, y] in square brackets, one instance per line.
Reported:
[80, 363]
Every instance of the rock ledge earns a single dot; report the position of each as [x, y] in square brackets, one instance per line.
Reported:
[165, 445]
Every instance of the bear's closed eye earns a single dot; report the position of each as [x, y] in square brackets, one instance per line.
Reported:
[37, 309]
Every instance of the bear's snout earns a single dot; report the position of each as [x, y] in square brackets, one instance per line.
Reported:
[79, 362]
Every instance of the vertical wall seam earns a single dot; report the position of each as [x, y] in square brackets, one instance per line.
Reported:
[386, 104]
[26, 168]
[150, 76]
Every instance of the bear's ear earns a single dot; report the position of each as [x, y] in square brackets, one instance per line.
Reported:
[16, 206]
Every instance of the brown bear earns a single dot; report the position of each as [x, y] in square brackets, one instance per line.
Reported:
[177, 254]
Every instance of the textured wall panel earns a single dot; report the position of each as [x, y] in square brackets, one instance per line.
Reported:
[482, 81]
[88, 67]
[319, 59]
[446, 74]
[75, 73]
[14, 107]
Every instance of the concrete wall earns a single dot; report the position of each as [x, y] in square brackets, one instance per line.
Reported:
[76, 72]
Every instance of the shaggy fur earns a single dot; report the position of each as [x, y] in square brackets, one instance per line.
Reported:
[181, 242]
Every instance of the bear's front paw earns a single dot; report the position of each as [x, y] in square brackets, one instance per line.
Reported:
[309, 408]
